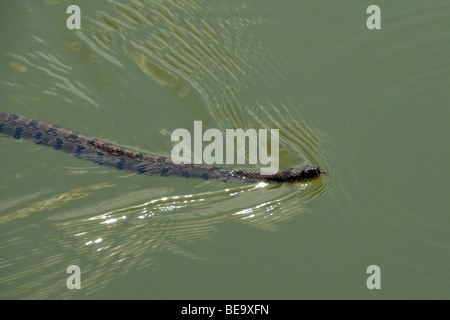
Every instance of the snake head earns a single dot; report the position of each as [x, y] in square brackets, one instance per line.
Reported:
[303, 174]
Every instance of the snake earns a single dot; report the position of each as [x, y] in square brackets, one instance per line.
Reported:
[122, 158]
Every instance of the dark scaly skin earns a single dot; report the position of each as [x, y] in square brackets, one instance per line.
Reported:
[121, 158]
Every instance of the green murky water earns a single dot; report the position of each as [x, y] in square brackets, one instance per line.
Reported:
[371, 107]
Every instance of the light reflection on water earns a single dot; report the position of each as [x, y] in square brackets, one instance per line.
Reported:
[130, 238]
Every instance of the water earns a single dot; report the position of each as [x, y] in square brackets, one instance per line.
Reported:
[369, 107]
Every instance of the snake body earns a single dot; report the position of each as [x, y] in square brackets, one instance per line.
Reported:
[121, 158]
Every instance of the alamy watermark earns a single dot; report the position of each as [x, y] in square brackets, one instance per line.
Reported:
[74, 280]
[374, 280]
[213, 153]
[73, 22]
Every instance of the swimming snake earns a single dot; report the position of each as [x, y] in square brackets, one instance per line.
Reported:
[122, 158]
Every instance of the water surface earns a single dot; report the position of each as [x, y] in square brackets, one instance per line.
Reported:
[368, 107]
